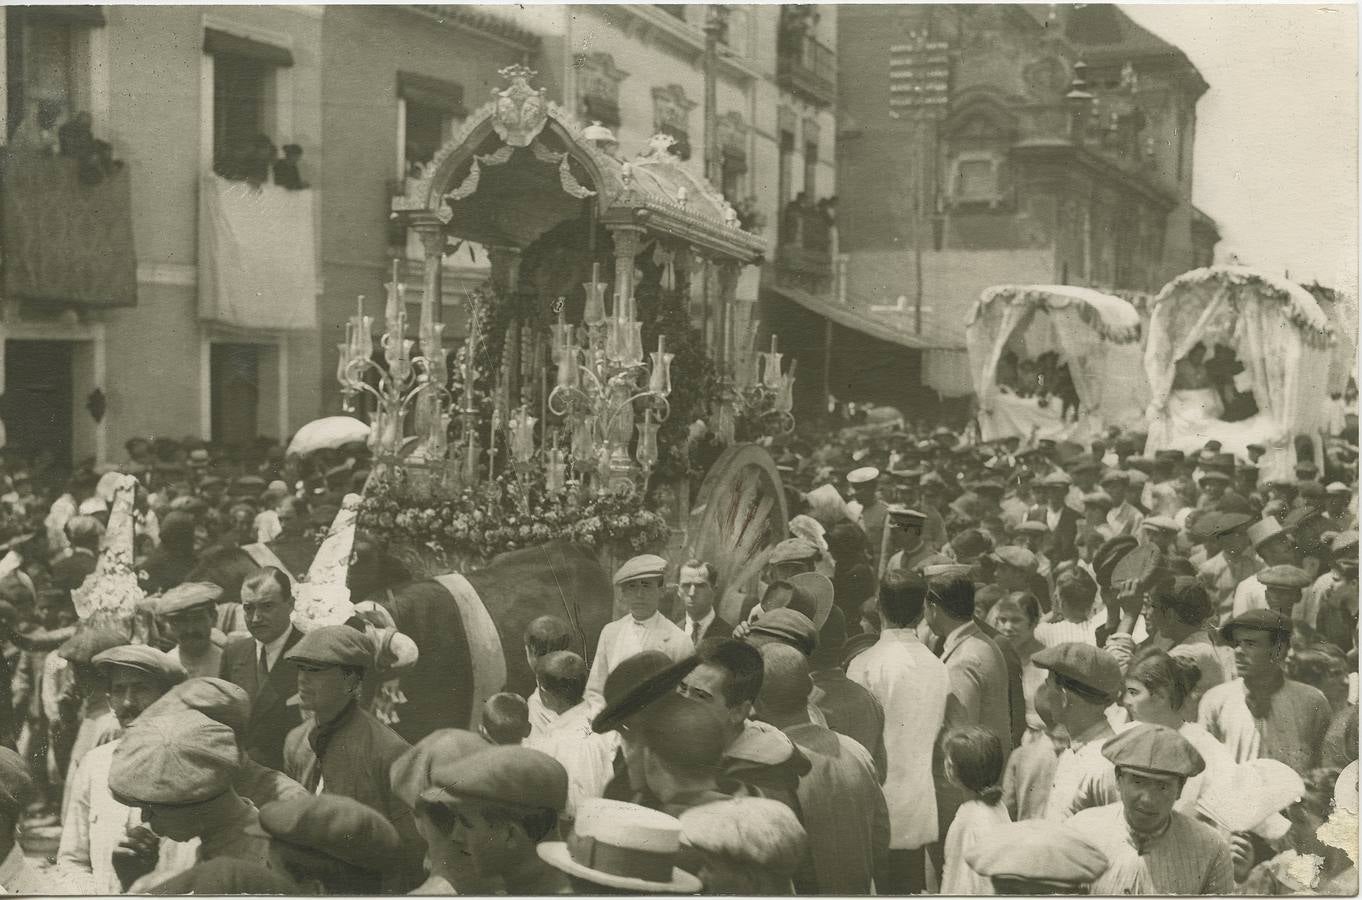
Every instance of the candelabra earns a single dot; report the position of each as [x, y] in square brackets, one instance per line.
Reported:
[758, 388]
[600, 370]
[406, 385]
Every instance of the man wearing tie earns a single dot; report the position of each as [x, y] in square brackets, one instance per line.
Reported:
[699, 619]
[639, 582]
[257, 664]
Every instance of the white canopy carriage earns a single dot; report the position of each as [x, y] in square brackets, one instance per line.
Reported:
[1095, 334]
[1279, 334]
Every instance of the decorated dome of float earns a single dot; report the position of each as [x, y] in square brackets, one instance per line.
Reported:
[1115, 319]
[521, 165]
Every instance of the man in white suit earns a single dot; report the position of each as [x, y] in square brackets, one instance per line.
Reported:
[639, 582]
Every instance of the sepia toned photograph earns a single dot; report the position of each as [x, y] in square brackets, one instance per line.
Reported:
[765, 449]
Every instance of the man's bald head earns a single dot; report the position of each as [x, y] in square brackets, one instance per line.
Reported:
[785, 683]
[563, 674]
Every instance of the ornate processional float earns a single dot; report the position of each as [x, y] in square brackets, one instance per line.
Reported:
[582, 386]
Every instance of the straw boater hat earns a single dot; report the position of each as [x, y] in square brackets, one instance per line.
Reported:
[622, 846]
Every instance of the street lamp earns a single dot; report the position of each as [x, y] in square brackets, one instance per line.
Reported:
[1078, 101]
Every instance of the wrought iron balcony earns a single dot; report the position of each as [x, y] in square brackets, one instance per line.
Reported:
[807, 68]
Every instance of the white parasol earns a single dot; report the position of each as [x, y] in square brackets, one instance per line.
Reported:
[329, 433]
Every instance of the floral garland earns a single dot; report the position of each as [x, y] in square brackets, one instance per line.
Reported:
[487, 520]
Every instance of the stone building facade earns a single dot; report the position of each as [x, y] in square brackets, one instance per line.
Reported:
[1000, 144]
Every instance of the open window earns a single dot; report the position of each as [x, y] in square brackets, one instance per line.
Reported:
[245, 103]
[47, 66]
[431, 111]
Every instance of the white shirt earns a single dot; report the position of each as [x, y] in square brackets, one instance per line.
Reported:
[1062, 632]
[972, 820]
[626, 637]
[911, 685]
[588, 757]
[274, 649]
[693, 627]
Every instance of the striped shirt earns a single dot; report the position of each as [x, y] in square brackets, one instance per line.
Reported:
[1064, 632]
[1188, 858]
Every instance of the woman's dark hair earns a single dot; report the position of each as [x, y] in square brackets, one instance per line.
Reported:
[954, 596]
[1312, 665]
[1175, 676]
[976, 755]
[902, 596]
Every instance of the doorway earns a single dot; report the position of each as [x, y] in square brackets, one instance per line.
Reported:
[38, 406]
[235, 401]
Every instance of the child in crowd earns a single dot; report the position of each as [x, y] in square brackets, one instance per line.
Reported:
[974, 763]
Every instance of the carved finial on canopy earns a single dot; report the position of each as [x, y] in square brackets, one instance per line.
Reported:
[521, 111]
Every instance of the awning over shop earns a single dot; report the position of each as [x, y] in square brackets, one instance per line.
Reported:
[849, 317]
[65, 241]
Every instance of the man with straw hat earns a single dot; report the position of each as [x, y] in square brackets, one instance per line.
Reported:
[621, 848]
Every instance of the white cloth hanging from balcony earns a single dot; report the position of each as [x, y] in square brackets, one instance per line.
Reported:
[257, 256]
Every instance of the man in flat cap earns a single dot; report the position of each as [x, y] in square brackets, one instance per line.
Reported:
[327, 844]
[178, 769]
[639, 583]
[228, 704]
[1083, 682]
[1337, 497]
[493, 808]
[1060, 518]
[1036, 857]
[1151, 848]
[1277, 587]
[1236, 560]
[343, 749]
[1330, 603]
[189, 610]
[1262, 713]
[96, 824]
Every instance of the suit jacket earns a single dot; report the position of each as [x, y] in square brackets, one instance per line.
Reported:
[716, 628]
[619, 640]
[271, 719]
[1063, 538]
[979, 682]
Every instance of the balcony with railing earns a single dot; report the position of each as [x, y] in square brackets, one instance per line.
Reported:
[65, 218]
[807, 245]
[807, 68]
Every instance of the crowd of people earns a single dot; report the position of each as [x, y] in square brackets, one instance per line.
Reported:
[965, 669]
